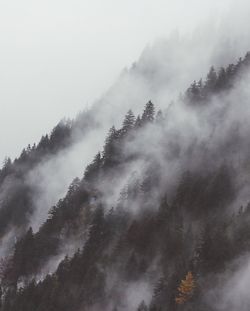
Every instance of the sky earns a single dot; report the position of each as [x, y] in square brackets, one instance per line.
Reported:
[57, 57]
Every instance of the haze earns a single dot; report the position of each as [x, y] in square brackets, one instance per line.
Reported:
[57, 57]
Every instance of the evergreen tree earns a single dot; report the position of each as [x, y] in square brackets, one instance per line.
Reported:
[222, 80]
[110, 147]
[138, 122]
[24, 256]
[148, 113]
[44, 143]
[6, 169]
[128, 122]
[211, 80]
[142, 236]
[93, 170]
[186, 289]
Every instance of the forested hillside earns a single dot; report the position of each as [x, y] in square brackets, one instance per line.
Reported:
[159, 220]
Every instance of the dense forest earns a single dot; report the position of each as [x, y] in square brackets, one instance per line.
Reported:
[159, 220]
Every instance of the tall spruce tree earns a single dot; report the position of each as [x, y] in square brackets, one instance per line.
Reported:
[128, 122]
[148, 113]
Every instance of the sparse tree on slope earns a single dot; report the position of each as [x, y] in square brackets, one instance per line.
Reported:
[186, 289]
[148, 113]
[128, 122]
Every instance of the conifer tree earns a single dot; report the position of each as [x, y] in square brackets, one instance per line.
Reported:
[222, 80]
[138, 122]
[109, 151]
[128, 122]
[148, 113]
[186, 289]
[93, 169]
[211, 79]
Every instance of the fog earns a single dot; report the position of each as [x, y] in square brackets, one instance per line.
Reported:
[57, 57]
[59, 68]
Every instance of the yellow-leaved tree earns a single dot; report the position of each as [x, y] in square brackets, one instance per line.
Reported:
[186, 289]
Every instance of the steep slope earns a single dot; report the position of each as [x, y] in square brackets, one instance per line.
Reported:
[156, 222]
[18, 188]
[37, 183]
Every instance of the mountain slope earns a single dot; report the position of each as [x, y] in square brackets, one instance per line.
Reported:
[155, 223]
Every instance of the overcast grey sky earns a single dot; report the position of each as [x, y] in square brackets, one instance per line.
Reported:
[57, 56]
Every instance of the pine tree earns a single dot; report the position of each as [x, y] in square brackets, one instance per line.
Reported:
[44, 143]
[148, 113]
[159, 291]
[24, 156]
[222, 79]
[109, 152]
[93, 169]
[128, 122]
[74, 186]
[230, 70]
[6, 163]
[7, 167]
[138, 122]
[211, 79]
[186, 289]
[24, 255]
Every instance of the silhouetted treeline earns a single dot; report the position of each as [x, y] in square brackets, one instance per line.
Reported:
[180, 242]
[16, 191]
[217, 81]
